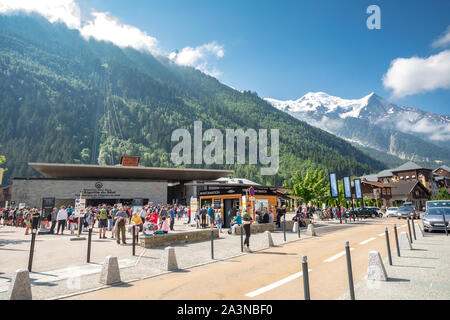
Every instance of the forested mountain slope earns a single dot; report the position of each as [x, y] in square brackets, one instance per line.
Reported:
[68, 100]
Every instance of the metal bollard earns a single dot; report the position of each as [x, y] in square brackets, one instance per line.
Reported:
[445, 225]
[242, 239]
[409, 230]
[414, 229]
[388, 246]
[134, 240]
[349, 270]
[212, 244]
[284, 227]
[89, 245]
[298, 228]
[396, 240]
[305, 278]
[33, 241]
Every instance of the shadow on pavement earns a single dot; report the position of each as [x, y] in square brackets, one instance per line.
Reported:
[6, 242]
[13, 249]
[279, 253]
[121, 284]
[422, 258]
[44, 284]
[398, 280]
[396, 265]
[181, 271]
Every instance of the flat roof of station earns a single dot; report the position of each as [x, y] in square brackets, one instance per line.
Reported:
[59, 170]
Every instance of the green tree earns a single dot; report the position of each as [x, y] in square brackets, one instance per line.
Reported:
[2, 170]
[442, 195]
[311, 187]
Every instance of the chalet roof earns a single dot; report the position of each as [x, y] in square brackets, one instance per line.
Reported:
[408, 166]
[384, 174]
[446, 168]
[370, 177]
[377, 184]
[405, 187]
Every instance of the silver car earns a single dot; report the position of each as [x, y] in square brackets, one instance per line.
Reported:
[434, 219]
[391, 212]
[406, 211]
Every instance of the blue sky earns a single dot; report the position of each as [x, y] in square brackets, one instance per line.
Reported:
[284, 49]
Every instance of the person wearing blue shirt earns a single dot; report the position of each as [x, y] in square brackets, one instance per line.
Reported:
[172, 218]
[211, 216]
[237, 220]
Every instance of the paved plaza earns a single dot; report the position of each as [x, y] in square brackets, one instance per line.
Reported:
[60, 269]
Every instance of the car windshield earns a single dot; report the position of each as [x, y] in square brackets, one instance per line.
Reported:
[406, 209]
[392, 209]
[438, 211]
[434, 204]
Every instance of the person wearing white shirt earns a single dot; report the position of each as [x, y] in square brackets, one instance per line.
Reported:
[143, 213]
[61, 217]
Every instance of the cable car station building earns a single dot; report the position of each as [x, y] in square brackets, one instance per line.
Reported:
[125, 183]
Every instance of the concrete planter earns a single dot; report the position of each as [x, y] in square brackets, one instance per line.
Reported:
[165, 240]
[256, 228]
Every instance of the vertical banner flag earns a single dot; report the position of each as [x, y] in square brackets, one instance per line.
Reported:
[358, 188]
[347, 188]
[333, 186]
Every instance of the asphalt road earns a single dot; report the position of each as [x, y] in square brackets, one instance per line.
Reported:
[273, 273]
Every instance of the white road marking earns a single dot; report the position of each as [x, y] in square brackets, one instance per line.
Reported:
[337, 256]
[381, 234]
[367, 241]
[275, 284]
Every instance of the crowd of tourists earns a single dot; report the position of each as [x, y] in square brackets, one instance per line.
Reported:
[19, 217]
[150, 219]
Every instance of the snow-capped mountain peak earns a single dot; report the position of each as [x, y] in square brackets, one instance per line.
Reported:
[320, 107]
[323, 103]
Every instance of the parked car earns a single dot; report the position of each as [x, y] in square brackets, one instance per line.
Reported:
[378, 210]
[434, 219]
[392, 212]
[407, 211]
[367, 212]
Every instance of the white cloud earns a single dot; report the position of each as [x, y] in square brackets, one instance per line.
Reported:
[435, 131]
[107, 28]
[444, 40]
[104, 26]
[200, 57]
[67, 11]
[408, 76]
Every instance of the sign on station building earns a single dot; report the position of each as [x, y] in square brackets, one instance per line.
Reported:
[129, 161]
